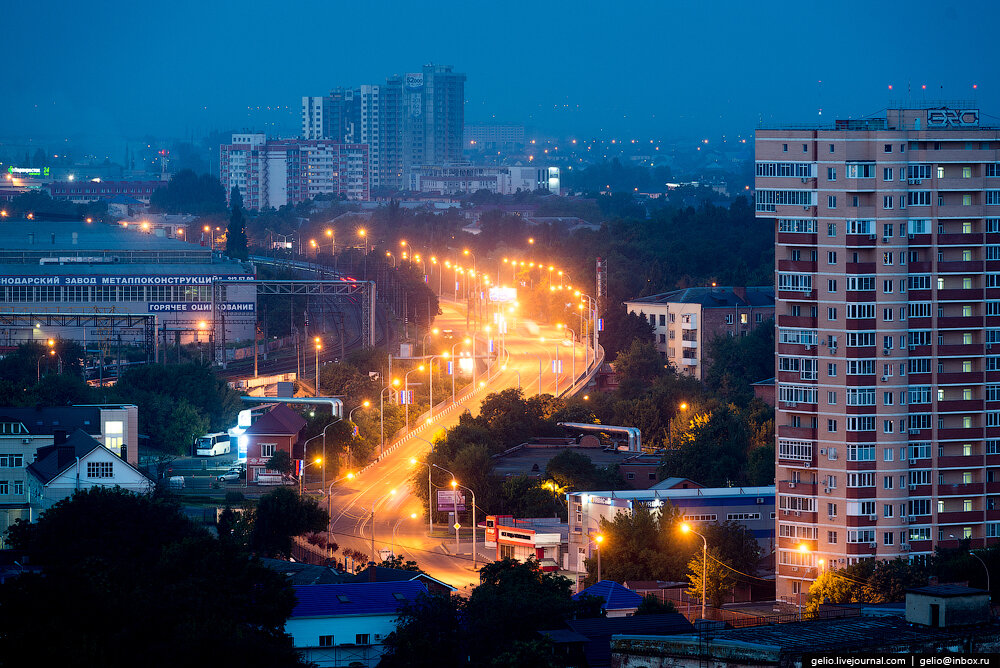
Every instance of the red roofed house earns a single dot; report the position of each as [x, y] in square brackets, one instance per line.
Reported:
[280, 428]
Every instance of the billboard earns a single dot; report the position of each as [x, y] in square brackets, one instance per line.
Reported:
[446, 500]
[503, 295]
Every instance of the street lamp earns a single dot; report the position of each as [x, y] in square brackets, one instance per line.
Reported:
[406, 388]
[423, 342]
[319, 346]
[430, 379]
[302, 478]
[804, 549]
[391, 493]
[598, 539]
[430, 499]
[980, 560]
[363, 233]
[381, 417]
[329, 499]
[389, 254]
[454, 484]
[686, 528]
[324, 446]
[454, 367]
[350, 418]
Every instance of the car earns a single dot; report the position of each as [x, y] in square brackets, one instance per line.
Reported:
[230, 476]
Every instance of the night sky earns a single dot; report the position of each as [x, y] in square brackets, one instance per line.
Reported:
[113, 69]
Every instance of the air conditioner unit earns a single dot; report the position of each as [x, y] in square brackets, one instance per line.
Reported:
[912, 519]
[989, 346]
[913, 462]
[822, 451]
[808, 347]
[872, 237]
[798, 513]
[885, 240]
[885, 379]
[913, 486]
[791, 485]
[791, 404]
[831, 517]
[913, 346]
[904, 520]
[909, 236]
[795, 569]
[805, 179]
[25, 441]
[872, 518]
[886, 351]
[914, 182]
[905, 547]
[827, 490]
[873, 545]
[784, 512]
[833, 348]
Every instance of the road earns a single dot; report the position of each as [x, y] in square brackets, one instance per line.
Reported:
[407, 536]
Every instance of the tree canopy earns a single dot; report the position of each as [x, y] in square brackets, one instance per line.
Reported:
[187, 192]
[132, 575]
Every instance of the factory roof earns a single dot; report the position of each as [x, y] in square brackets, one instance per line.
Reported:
[41, 235]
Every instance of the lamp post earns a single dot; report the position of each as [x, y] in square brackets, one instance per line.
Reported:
[454, 498]
[363, 233]
[573, 337]
[430, 379]
[302, 478]
[803, 548]
[406, 388]
[329, 501]
[350, 418]
[980, 560]
[324, 447]
[456, 484]
[389, 254]
[430, 499]
[391, 493]
[686, 528]
[319, 346]
[381, 417]
[598, 539]
[423, 341]
[454, 367]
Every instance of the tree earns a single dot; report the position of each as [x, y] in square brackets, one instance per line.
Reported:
[280, 461]
[740, 361]
[720, 579]
[734, 544]
[575, 471]
[399, 563]
[869, 581]
[651, 605]
[281, 514]
[637, 366]
[187, 192]
[133, 575]
[621, 328]
[428, 635]
[236, 233]
[513, 601]
[713, 450]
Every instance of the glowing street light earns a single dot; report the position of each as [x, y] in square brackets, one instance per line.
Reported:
[686, 528]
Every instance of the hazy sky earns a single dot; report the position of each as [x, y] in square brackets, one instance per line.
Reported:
[110, 68]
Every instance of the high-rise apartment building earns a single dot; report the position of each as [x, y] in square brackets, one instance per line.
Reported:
[888, 336]
[275, 172]
[412, 120]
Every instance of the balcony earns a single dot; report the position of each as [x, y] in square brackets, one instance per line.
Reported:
[961, 489]
[955, 294]
[960, 406]
[689, 361]
[962, 211]
[861, 268]
[919, 267]
[797, 265]
[919, 295]
[920, 240]
[861, 521]
[959, 378]
[689, 325]
[860, 548]
[797, 321]
[862, 324]
[958, 267]
[960, 517]
[797, 295]
[960, 321]
[864, 351]
[921, 546]
[860, 240]
[958, 350]
[797, 487]
[861, 492]
[968, 240]
[958, 433]
[689, 344]
[788, 431]
[966, 462]
[920, 323]
[797, 238]
[867, 296]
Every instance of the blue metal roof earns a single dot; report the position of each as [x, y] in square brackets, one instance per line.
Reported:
[616, 597]
[362, 598]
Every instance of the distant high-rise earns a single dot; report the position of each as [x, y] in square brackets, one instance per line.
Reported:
[888, 336]
[411, 120]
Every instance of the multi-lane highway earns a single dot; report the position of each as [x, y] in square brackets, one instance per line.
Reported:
[528, 350]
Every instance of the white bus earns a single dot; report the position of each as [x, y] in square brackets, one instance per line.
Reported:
[210, 445]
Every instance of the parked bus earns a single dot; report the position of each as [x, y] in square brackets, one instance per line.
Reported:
[210, 445]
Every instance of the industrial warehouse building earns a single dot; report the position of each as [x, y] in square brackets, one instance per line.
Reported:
[87, 268]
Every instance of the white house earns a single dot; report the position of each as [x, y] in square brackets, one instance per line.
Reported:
[346, 624]
[79, 462]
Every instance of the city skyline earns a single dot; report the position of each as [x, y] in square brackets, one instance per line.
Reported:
[650, 77]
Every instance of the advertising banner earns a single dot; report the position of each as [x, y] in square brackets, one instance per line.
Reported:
[446, 500]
